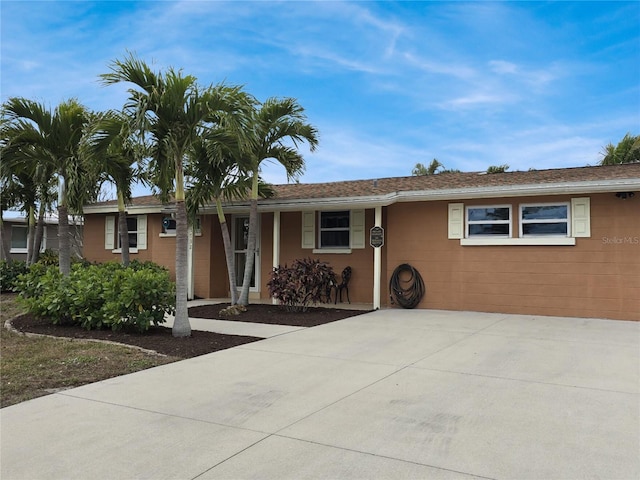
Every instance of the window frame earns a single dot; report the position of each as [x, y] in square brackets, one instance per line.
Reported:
[25, 249]
[468, 223]
[522, 221]
[117, 229]
[334, 229]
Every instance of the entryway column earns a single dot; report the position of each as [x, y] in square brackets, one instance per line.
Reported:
[377, 263]
[276, 244]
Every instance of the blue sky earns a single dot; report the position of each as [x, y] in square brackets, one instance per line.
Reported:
[387, 84]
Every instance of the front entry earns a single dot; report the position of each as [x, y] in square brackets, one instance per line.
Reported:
[240, 240]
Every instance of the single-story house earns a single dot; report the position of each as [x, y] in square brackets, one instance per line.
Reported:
[562, 242]
[15, 229]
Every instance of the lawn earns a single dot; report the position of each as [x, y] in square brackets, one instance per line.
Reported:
[34, 366]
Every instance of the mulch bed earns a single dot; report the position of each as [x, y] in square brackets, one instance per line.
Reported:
[160, 339]
[275, 315]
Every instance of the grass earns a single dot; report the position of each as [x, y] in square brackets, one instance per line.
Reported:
[31, 367]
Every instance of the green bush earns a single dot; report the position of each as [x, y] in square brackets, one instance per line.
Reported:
[97, 296]
[305, 282]
[9, 273]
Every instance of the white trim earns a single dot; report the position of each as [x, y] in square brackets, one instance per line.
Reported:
[377, 263]
[308, 229]
[508, 222]
[456, 221]
[340, 251]
[356, 229]
[522, 221]
[109, 232]
[581, 217]
[481, 242]
[119, 250]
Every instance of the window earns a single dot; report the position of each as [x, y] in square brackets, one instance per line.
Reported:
[132, 228]
[137, 227]
[544, 219]
[489, 221]
[19, 238]
[334, 229]
[19, 234]
[169, 227]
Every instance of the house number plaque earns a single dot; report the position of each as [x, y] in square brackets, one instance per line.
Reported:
[376, 237]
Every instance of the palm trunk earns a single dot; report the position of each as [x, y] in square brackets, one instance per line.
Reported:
[251, 243]
[31, 234]
[123, 230]
[181, 325]
[64, 244]
[5, 254]
[228, 253]
[37, 243]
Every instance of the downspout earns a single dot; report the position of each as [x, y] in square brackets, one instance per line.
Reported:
[377, 263]
[276, 245]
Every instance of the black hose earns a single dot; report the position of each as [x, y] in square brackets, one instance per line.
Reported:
[409, 296]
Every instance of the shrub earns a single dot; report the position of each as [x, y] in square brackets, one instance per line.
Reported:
[137, 298]
[97, 296]
[306, 281]
[9, 273]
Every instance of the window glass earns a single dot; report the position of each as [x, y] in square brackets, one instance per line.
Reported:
[19, 236]
[544, 212]
[489, 221]
[132, 228]
[334, 229]
[544, 219]
[488, 213]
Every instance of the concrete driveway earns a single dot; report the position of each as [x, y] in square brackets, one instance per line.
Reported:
[389, 394]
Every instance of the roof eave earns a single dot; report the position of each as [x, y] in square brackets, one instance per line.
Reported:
[372, 201]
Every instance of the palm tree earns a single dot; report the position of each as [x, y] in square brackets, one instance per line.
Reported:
[53, 139]
[432, 169]
[111, 149]
[214, 163]
[171, 110]
[627, 151]
[277, 128]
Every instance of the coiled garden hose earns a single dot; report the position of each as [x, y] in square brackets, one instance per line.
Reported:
[408, 292]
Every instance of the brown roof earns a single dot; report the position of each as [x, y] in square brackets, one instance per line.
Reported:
[445, 181]
[442, 181]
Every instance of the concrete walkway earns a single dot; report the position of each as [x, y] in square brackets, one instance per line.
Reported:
[389, 394]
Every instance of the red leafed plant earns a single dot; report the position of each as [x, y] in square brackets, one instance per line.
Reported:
[305, 282]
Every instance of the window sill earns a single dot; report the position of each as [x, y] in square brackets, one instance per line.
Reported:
[18, 250]
[131, 250]
[480, 242]
[173, 235]
[341, 251]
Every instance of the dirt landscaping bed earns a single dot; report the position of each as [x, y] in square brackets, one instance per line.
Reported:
[160, 339]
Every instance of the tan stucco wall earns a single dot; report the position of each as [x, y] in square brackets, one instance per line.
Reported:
[360, 260]
[598, 277]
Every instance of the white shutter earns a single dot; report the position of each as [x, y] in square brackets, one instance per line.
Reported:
[581, 217]
[309, 229]
[109, 232]
[456, 220]
[357, 229]
[142, 232]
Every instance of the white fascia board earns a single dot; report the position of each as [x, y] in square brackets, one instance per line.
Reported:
[130, 209]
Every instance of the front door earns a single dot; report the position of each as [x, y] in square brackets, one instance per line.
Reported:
[240, 240]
